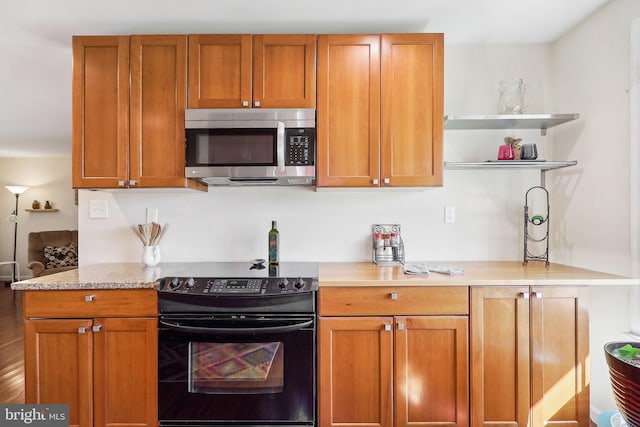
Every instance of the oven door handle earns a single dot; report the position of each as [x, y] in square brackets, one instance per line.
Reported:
[241, 331]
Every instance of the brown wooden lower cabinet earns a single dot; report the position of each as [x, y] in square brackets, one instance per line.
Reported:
[104, 368]
[529, 356]
[393, 371]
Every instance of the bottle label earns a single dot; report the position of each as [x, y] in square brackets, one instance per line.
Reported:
[273, 249]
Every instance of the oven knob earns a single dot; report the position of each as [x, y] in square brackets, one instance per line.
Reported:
[175, 283]
[191, 283]
[299, 284]
[283, 284]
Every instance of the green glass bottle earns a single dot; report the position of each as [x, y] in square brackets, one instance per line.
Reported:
[274, 242]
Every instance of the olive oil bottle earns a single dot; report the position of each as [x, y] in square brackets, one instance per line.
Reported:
[274, 242]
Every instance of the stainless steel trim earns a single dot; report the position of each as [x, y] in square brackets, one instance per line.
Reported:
[227, 118]
[280, 145]
[253, 175]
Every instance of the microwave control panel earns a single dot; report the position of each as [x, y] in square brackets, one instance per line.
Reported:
[300, 147]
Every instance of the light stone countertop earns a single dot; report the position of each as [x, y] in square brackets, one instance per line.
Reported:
[498, 273]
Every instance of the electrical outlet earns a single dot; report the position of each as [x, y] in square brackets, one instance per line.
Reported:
[449, 214]
[98, 209]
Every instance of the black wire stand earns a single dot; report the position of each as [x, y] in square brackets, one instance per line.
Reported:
[536, 222]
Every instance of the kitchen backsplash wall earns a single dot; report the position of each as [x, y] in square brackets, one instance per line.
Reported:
[232, 223]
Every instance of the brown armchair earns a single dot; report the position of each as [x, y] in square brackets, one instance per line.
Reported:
[52, 251]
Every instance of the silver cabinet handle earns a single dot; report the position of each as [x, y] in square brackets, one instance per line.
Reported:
[525, 295]
[400, 326]
[82, 330]
[280, 145]
[89, 298]
[121, 184]
[387, 327]
[387, 180]
[245, 103]
[133, 182]
[256, 104]
[96, 328]
[394, 295]
[376, 182]
[537, 294]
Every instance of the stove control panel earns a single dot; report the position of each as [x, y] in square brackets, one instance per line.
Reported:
[251, 286]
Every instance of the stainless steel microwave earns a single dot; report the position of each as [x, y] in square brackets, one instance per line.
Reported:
[251, 146]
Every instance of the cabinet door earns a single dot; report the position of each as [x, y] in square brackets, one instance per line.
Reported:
[412, 109]
[125, 372]
[58, 358]
[284, 71]
[560, 356]
[158, 101]
[354, 371]
[431, 371]
[500, 388]
[100, 116]
[219, 71]
[348, 122]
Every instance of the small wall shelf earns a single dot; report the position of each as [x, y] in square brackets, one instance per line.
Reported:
[42, 210]
[508, 164]
[507, 121]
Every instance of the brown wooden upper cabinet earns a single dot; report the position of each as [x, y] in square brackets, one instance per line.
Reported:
[380, 109]
[242, 71]
[129, 97]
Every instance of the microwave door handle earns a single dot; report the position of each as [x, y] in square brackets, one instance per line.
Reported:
[236, 331]
[280, 145]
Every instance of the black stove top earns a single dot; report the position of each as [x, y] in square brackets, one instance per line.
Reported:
[221, 279]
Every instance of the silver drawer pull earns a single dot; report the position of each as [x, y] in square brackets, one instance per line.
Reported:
[537, 294]
[245, 103]
[89, 298]
[376, 182]
[525, 295]
[394, 295]
[387, 327]
[82, 330]
[387, 180]
[400, 326]
[96, 328]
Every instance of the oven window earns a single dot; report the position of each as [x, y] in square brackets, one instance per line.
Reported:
[235, 147]
[222, 368]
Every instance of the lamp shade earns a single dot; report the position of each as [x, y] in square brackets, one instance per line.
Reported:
[16, 189]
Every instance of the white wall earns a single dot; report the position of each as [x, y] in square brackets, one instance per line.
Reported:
[48, 179]
[591, 74]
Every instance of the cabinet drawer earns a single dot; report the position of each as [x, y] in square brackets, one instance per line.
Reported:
[374, 300]
[90, 303]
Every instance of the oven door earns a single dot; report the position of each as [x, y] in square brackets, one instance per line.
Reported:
[236, 370]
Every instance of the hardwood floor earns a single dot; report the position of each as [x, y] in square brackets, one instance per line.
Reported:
[11, 346]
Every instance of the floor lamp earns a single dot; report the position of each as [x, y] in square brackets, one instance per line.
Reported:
[17, 190]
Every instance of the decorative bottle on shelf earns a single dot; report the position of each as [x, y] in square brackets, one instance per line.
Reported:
[274, 241]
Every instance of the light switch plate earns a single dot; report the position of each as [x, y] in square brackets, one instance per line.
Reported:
[98, 209]
[449, 214]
